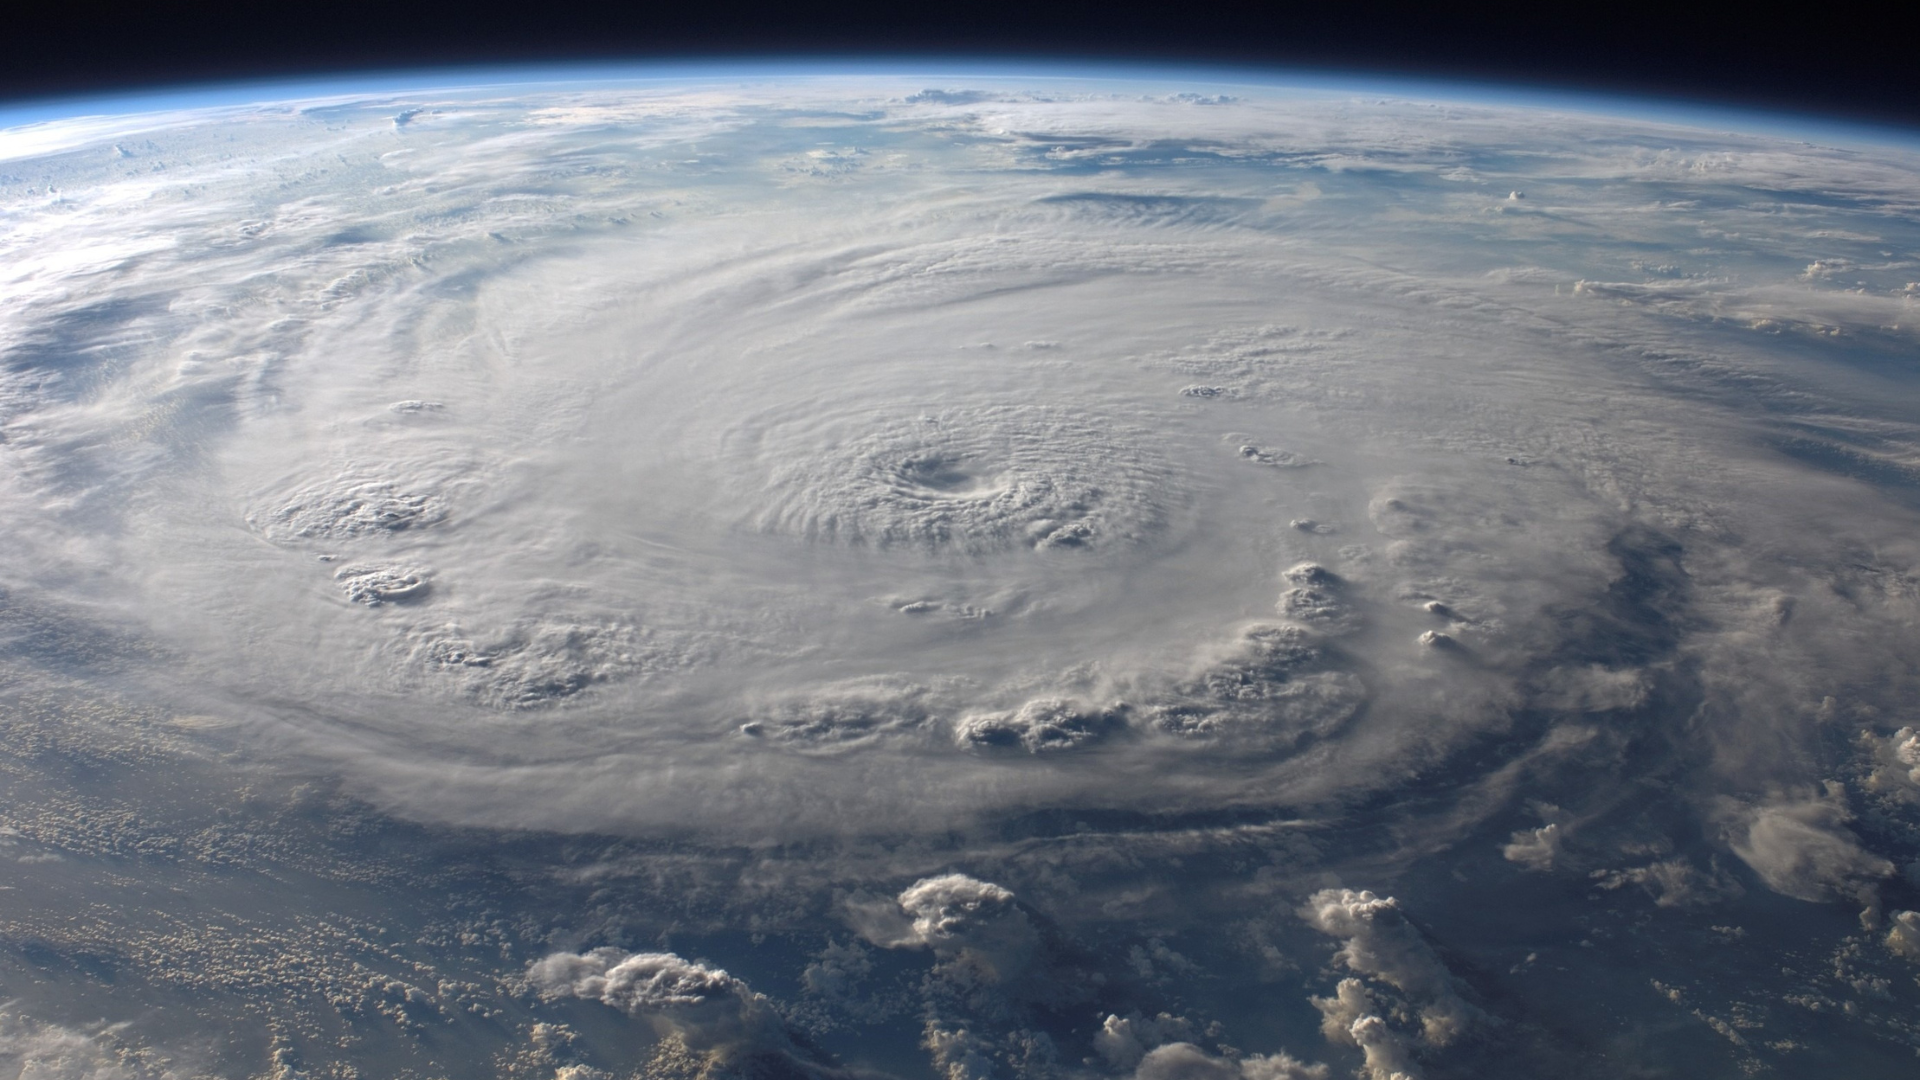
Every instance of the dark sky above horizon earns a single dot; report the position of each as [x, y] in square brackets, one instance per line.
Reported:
[1833, 61]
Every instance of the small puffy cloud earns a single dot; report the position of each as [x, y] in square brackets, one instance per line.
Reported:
[1903, 936]
[1380, 944]
[1803, 849]
[1673, 883]
[1907, 749]
[1535, 849]
[706, 1007]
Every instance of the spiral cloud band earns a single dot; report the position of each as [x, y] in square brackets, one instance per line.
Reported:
[1015, 563]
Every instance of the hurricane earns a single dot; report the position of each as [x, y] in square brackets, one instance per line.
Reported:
[969, 575]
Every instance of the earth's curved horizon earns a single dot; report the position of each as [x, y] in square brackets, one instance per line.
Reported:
[1077, 572]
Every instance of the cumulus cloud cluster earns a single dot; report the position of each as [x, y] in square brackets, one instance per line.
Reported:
[1380, 946]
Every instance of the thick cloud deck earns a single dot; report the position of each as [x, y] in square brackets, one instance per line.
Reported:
[1039, 725]
[970, 480]
[347, 508]
[1041, 461]
[1110, 478]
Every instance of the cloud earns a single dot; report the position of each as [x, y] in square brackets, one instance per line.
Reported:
[1535, 849]
[1903, 934]
[1123, 1040]
[946, 910]
[706, 1007]
[1592, 688]
[1272, 687]
[1042, 724]
[1185, 1061]
[846, 717]
[1803, 849]
[35, 1049]
[376, 585]
[958, 917]
[1378, 943]
[350, 507]
[971, 479]
[1674, 883]
[1162, 1048]
[1351, 1017]
[958, 1054]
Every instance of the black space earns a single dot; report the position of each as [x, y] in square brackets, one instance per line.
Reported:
[1829, 59]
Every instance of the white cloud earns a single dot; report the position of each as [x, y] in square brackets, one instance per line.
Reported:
[1351, 1017]
[1903, 934]
[961, 918]
[1378, 943]
[1535, 849]
[1123, 1040]
[1185, 1061]
[946, 909]
[35, 1050]
[1802, 848]
[1040, 725]
[1673, 883]
[706, 1007]
[958, 1053]
[1161, 1048]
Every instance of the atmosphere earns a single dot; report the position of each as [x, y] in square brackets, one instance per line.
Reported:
[1012, 570]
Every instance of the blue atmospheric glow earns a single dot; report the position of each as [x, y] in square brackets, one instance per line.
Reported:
[1117, 75]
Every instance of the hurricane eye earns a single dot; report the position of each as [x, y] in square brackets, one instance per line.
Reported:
[942, 474]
